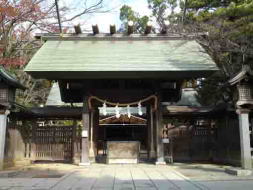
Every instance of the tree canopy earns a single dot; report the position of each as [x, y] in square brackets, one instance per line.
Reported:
[228, 39]
[19, 20]
[127, 14]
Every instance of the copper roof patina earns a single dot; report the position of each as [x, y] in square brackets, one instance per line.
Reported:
[102, 56]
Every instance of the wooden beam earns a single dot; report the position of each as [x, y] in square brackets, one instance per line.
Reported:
[78, 29]
[95, 29]
[130, 27]
[112, 29]
[148, 28]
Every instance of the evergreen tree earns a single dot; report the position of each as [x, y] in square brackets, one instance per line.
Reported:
[127, 14]
[228, 39]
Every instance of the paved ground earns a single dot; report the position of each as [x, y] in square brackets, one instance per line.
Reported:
[206, 172]
[123, 177]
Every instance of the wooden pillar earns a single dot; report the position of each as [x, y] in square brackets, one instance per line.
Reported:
[85, 134]
[246, 160]
[151, 154]
[159, 130]
[33, 143]
[74, 160]
[171, 150]
[96, 131]
[91, 139]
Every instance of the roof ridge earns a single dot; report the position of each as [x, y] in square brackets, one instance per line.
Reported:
[117, 36]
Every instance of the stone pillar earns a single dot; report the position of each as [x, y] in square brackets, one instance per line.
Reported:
[85, 134]
[151, 133]
[246, 159]
[3, 124]
[159, 128]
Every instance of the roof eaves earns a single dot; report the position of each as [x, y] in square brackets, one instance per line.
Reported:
[246, 72]
[9, 79]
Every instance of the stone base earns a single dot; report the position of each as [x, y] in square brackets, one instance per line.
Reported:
[92, 159]
[238, 171]
[8, 174]
[160, 163]
[122, 161]
[84, 164]
[152, 155]
[123, 152]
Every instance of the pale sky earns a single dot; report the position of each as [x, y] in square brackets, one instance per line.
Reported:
[104, 19]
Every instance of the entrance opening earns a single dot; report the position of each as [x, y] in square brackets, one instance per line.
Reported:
[126, 133]
[125, 129]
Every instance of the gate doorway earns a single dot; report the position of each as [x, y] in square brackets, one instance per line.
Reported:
[123, 130]
[52, 143]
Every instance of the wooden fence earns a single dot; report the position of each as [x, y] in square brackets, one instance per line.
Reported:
[53, 143]
[190, 141]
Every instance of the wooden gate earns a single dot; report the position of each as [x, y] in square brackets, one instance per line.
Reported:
[53, 143]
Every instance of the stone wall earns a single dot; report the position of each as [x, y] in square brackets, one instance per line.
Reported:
[15, 148]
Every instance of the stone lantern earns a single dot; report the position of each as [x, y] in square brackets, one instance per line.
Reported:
[8, 86]
[244, 82]
[245, 98]
[7, 95]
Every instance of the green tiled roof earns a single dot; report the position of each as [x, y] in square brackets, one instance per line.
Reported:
[101, 56]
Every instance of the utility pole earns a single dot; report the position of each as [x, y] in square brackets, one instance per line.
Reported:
[58, 15]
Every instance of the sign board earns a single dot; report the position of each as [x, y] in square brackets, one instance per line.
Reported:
[166, 140]
[84, 133]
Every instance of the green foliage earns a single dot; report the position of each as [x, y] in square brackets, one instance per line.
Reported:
[156, 5]
[210, 4]
[127, 14]
[229, 41]
[212, 91]
[230, 33]
[160, 9]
